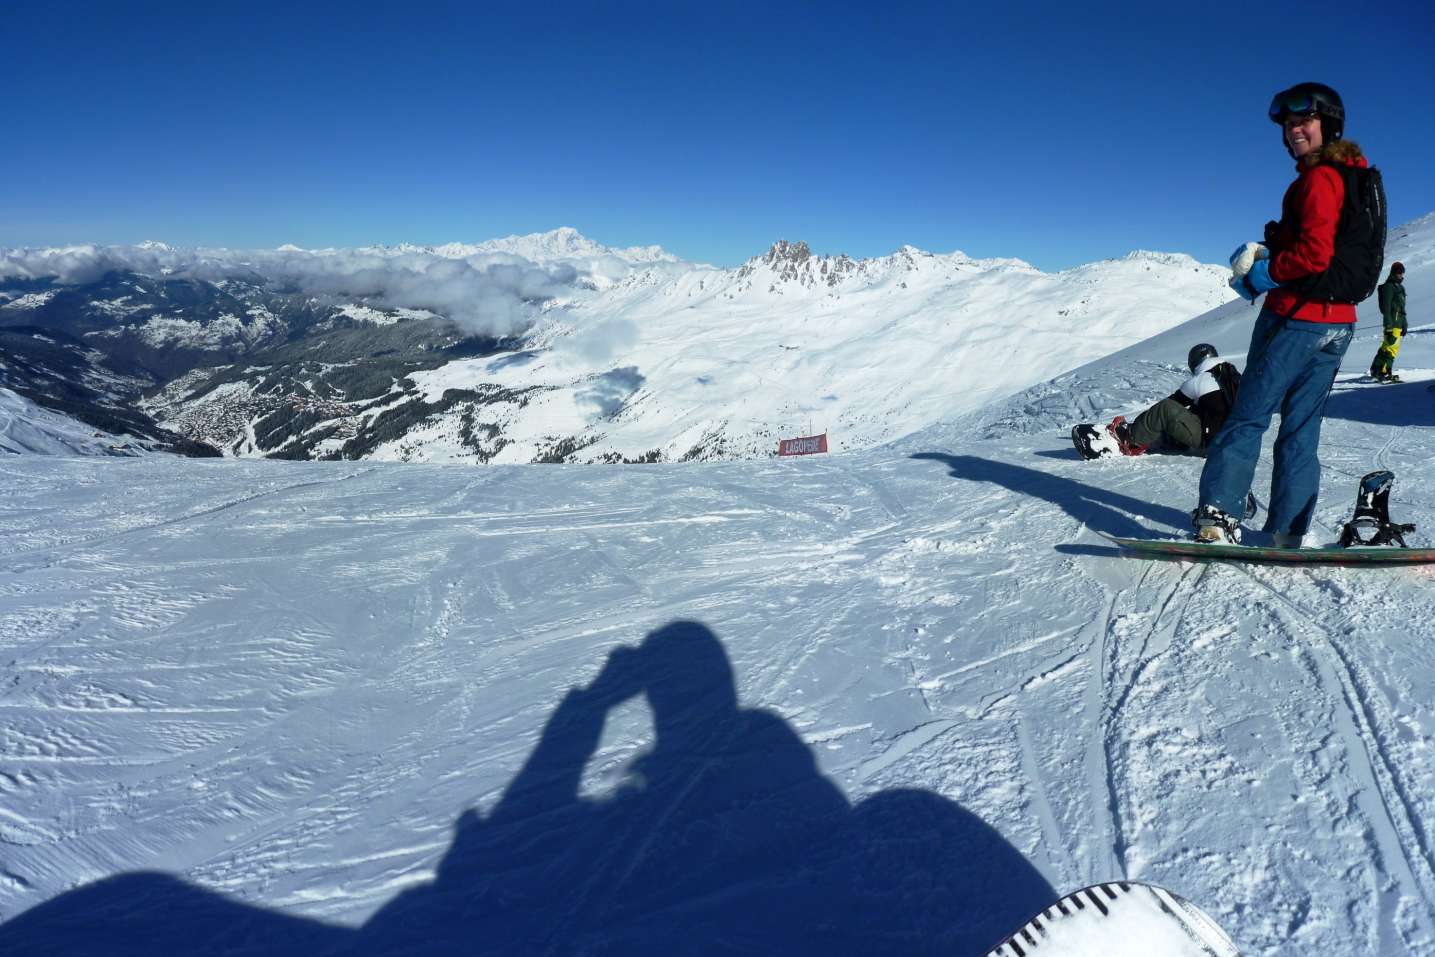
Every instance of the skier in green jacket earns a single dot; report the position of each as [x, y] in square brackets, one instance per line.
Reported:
[1392, 311]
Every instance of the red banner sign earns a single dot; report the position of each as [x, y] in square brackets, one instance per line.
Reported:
[806, 445]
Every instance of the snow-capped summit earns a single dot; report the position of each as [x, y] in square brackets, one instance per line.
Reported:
[1154, 256]
[557, 245]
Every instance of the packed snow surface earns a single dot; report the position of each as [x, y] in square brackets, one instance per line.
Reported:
[894, 701]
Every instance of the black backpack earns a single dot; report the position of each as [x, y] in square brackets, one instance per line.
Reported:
[1354, 270]
[1211, 414]
[1228, 377]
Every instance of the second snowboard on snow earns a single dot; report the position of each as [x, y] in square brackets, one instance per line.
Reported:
[1119, 919]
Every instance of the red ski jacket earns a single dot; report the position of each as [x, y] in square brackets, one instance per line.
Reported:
[1304, 240]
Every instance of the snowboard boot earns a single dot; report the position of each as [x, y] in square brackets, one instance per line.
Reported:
[1371, 524]
[1215, 527]
[1383, 374]
[1121, 432]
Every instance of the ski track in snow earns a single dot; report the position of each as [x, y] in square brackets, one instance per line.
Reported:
[1400, 840]
[1107, 818]
[286, 682]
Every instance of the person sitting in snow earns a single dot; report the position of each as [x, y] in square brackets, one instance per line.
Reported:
[1186, 419]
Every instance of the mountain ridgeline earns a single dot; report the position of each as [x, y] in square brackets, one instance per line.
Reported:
[551, 348]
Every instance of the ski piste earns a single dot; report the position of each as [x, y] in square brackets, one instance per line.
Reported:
[1327, 555]
[1119, 919]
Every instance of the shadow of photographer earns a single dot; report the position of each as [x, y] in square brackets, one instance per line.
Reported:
[725, 839]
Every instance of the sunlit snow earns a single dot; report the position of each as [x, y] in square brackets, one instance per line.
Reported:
[888, 701]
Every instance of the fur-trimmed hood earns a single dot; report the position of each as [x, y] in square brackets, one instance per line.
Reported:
[1341, 151]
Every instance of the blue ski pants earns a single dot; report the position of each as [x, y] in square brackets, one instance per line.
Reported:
[1290, 368]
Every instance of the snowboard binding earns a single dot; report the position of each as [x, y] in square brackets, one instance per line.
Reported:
[1121, 432]
[1371, 524]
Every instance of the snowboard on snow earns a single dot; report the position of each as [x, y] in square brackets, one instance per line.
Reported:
[1369, 538]
[1329, 555]
[1119, 919]
[1093, 441]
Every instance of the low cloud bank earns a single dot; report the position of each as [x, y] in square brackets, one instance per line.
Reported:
[487, 293]
[600, 342]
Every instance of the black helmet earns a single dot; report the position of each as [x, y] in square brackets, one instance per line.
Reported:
[1306, 98]
[1200, 354]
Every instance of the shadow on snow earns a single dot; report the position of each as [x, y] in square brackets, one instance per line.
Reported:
[726, 840]
[1401, 403]
[1097, 508]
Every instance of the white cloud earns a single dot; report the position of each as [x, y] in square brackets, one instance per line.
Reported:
[600, 342]
[486, 293]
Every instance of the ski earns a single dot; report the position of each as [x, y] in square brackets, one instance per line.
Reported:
[1119, 919]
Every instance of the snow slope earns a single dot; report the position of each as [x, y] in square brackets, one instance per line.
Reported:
[892, 701]
[710, 364]
[27, 428]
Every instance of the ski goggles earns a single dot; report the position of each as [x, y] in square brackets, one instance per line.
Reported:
[1301, 103]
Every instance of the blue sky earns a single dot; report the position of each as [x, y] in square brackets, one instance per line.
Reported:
[1057, 133]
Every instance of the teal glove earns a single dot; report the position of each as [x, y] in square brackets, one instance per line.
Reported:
[1256, 282]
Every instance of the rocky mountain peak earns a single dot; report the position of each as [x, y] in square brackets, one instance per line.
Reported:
[795, 262]
[783, 251]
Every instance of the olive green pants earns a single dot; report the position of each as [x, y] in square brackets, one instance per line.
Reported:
[1168, 422]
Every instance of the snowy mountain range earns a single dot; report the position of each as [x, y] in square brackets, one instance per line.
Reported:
[564, 244]
[553, 348]
[890, 701]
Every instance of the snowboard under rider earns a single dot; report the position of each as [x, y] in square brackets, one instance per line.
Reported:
[1185, 420]
[1304, 328]
[1392, 314]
